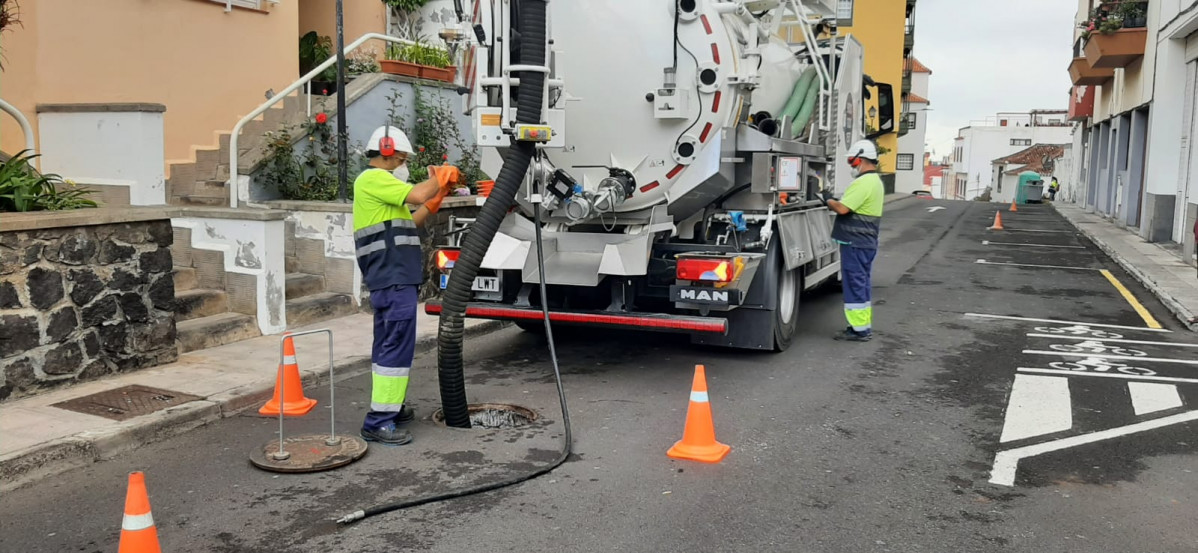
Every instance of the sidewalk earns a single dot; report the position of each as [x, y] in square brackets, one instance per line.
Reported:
[38, 440]
[1159, 270]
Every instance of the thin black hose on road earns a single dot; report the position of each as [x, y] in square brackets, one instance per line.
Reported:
[451, 330]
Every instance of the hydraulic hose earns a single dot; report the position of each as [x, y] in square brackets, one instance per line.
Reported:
[533, 21]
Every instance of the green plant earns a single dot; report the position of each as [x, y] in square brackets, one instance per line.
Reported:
[314, 50]
[362, 62]
[10, 15]
[406, 5]
[434, 130]
[22, 188]
[310, 175]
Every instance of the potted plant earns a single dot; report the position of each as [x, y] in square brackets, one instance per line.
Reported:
[400, 60]
[435, 64]
[314, 50]
[1134, 15]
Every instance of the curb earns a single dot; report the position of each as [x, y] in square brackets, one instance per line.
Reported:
[55, 457]
[1187, 318]
[896, 198]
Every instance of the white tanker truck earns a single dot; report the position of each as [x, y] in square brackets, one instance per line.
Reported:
[680, 149]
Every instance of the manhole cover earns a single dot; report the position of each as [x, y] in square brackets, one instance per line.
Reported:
[126, 402]
[310, 453]
[494, 415]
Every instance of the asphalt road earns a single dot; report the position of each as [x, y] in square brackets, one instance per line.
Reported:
[953, 430]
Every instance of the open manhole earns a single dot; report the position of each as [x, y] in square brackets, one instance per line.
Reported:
[494, 415]
[125, 402]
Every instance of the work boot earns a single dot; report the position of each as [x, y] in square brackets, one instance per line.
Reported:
[406, 415]
[850, 335]
[387, 435]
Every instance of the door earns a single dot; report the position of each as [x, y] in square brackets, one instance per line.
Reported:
[1187, 180]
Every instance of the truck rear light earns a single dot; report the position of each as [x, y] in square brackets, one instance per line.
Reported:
[446, 258]
[709, 270]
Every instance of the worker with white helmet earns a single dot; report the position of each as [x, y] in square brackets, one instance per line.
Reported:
[858, 220]
[388, 252]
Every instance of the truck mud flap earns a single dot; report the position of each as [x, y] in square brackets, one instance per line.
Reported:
[635, 321]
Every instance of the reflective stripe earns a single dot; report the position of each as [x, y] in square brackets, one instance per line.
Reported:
[382, 244]
[386, 407]
[289, 360]
[382, 370]
[387, 393]
[861, 318]
[137, 522]
[700, 397]
[861, 329]
[380, 227]
[866, 305]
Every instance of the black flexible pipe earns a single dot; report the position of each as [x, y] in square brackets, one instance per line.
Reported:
[474, 246]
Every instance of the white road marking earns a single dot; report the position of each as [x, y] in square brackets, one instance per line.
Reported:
[1006, 462]
[934, 209]
[1039, 405]
[1038, 230]
[989, 243]
[1148, 397]
[984, 262]
[1120, 340]
[1012, 318]
[1105, 356]
[1110, 375]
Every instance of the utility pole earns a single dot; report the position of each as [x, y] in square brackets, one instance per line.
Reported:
[342, 133]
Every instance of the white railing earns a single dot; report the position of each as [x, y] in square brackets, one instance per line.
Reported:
[26, 128]
[234, 180]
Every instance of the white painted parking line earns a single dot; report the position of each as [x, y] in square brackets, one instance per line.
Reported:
[1006, 462]
[1039, 405]
[1110, 375]
[1120, 340]
[989, 243]
[984, 262]
[1105, 356]
[1038, 230]
[1147, 397]
[1012, 318]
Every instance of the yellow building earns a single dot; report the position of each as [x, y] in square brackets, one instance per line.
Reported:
[885, 29]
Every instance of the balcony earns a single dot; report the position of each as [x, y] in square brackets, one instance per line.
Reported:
[1117, 49]
[909, 41]
[1082, 74]
[906, 82]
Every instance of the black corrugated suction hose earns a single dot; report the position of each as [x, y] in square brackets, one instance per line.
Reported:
[532, 27]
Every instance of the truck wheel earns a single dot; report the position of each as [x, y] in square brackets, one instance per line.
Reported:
[786, 316]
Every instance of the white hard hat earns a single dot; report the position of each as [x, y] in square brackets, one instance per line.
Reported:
[864, 149]
[402, 144]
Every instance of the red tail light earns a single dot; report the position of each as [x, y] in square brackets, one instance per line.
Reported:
[709, 270]
[447, 258]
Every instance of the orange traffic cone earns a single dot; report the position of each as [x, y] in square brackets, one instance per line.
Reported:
[698, 439]
[138, 534]
[295, 404]
[997, 222]
[1013, 208]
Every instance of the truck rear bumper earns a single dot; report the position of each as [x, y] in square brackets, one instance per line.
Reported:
[640, 321]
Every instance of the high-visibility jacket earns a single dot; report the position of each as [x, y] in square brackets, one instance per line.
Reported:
[385, 236]
[860, 227]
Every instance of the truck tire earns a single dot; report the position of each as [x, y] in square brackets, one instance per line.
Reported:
[786, 316]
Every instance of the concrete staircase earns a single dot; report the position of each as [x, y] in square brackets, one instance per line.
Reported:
[308, 299]
[204, 316]
[204, 182]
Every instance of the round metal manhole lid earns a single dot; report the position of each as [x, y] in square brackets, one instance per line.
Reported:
[494, 415]
[309, 453]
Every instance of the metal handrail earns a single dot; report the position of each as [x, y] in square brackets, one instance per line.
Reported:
[233, 177]
[26, 128]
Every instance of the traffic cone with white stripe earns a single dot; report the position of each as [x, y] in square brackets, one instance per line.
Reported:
[698, 439]
[997, 222]
[288, 379]
[138, 534]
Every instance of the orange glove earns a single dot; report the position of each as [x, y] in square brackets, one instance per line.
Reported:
[434, 204]
[445, 175]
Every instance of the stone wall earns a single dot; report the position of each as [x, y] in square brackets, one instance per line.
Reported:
[80, 302]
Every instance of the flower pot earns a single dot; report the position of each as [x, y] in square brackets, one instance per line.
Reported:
[394, 67]
[445, 74]
[323, 88]
[1117, 49]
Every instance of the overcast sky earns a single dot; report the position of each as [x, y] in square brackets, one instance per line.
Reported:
[988, 56]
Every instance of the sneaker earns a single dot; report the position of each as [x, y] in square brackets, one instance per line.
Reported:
[850, 335]
[406, 415]
[388, 435]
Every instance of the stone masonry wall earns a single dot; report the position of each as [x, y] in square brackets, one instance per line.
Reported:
[78, 303]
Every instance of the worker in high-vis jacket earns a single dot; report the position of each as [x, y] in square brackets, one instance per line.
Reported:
[858, 220]
[388, 251]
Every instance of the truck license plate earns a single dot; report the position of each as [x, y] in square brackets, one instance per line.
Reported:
[485, 284]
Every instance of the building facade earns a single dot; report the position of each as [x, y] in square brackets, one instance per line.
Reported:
[978, 145]
[913, 129]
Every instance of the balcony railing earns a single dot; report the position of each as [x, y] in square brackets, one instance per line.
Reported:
[909, 39]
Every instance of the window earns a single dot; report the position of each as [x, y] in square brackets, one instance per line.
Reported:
[1021, 142]
[251, 4]
[906, 162]
[912, 119]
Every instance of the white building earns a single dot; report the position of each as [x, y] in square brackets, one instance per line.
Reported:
[909, 165]
[979, 144]
[1042, 159]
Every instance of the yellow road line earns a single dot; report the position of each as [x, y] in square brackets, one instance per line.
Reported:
[1135, 304]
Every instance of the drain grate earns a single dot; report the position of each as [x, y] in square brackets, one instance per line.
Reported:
[494, 415]
[125, 402]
